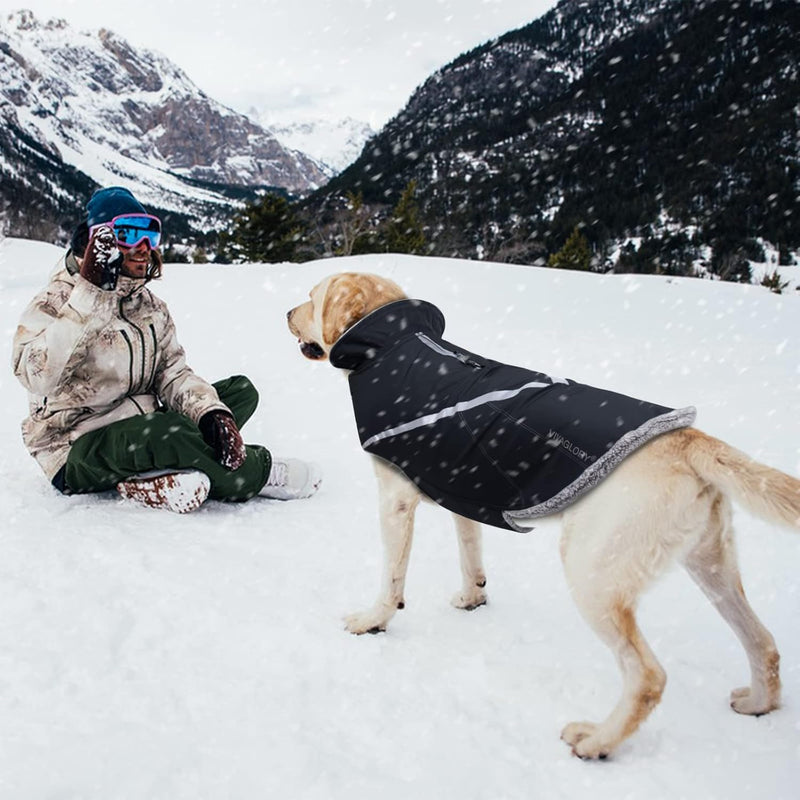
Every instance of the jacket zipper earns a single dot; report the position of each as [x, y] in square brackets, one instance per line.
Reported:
[130, 362]
[141, 341]
[437, 348]
[155, 353]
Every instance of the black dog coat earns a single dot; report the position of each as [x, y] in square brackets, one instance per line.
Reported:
[492, 442]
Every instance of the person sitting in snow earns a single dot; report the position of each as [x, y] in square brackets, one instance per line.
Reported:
[113, 403]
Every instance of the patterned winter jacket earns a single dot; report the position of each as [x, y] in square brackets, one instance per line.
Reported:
[494, 442]
[90, 357]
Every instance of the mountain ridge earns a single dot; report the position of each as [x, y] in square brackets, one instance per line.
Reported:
[666, 121]
[94, 110]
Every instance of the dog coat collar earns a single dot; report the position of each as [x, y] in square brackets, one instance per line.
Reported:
[385, 326]
[490, 441]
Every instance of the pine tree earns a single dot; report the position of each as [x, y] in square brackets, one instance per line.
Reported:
[404, 230]
[575, 254]
[266, 231]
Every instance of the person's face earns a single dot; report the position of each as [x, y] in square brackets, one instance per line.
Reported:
[136, 260]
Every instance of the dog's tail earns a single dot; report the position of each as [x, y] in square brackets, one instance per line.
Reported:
[762, 490]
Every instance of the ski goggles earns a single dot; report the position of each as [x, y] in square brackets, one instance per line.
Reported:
[131, 230]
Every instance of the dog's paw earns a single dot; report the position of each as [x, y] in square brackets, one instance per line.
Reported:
[471, 599]
[365, 622]
[583, 739]
[745, 701]
[576, 731]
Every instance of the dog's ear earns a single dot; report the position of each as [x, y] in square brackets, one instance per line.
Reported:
[344, 304]
[351, 296]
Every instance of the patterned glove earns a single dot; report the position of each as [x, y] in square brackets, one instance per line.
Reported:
[222, 436]
[102, 260]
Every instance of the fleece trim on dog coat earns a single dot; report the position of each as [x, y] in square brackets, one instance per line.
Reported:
[493, 442]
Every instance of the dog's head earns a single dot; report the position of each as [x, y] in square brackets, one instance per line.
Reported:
[336, 303]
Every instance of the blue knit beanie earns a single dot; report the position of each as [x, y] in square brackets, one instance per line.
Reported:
[105, 204]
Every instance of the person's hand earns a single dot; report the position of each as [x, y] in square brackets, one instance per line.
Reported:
[222, 435]
[102, 260]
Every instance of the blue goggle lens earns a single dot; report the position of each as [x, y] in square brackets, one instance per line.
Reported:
[132, 230]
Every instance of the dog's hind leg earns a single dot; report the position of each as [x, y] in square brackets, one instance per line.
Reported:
[615, 542]
[642, 676]
[713, 566]
[398, 500]
[473, 592]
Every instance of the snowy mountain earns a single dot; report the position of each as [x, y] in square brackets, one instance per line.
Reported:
[664, 129]
[335, 144]
[150, 656]
[84, 108]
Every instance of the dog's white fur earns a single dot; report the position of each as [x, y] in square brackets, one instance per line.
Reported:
[669, 501]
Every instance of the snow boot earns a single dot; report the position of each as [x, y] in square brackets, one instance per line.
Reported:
[180, 492]
[291, 479]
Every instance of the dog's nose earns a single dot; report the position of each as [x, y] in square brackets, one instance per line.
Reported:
[289, 313]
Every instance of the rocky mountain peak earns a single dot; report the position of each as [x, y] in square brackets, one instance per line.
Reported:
[142, 68]
[102, 111]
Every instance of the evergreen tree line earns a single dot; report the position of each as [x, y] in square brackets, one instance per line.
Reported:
[274, 229]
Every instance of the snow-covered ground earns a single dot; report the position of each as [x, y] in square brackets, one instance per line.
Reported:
[162, 657]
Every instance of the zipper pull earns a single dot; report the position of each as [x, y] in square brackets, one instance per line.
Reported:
[468, 361]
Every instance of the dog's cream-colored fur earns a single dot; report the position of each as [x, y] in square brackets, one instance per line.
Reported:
[669, 501]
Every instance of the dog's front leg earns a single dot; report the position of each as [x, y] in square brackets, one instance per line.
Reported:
[473, 593]
[398, 500]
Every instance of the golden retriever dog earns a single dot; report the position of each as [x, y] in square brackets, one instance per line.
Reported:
[670, 500]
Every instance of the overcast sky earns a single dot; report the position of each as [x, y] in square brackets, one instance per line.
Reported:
[302, 59]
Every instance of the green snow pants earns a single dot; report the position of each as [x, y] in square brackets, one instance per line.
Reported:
[165, 440]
